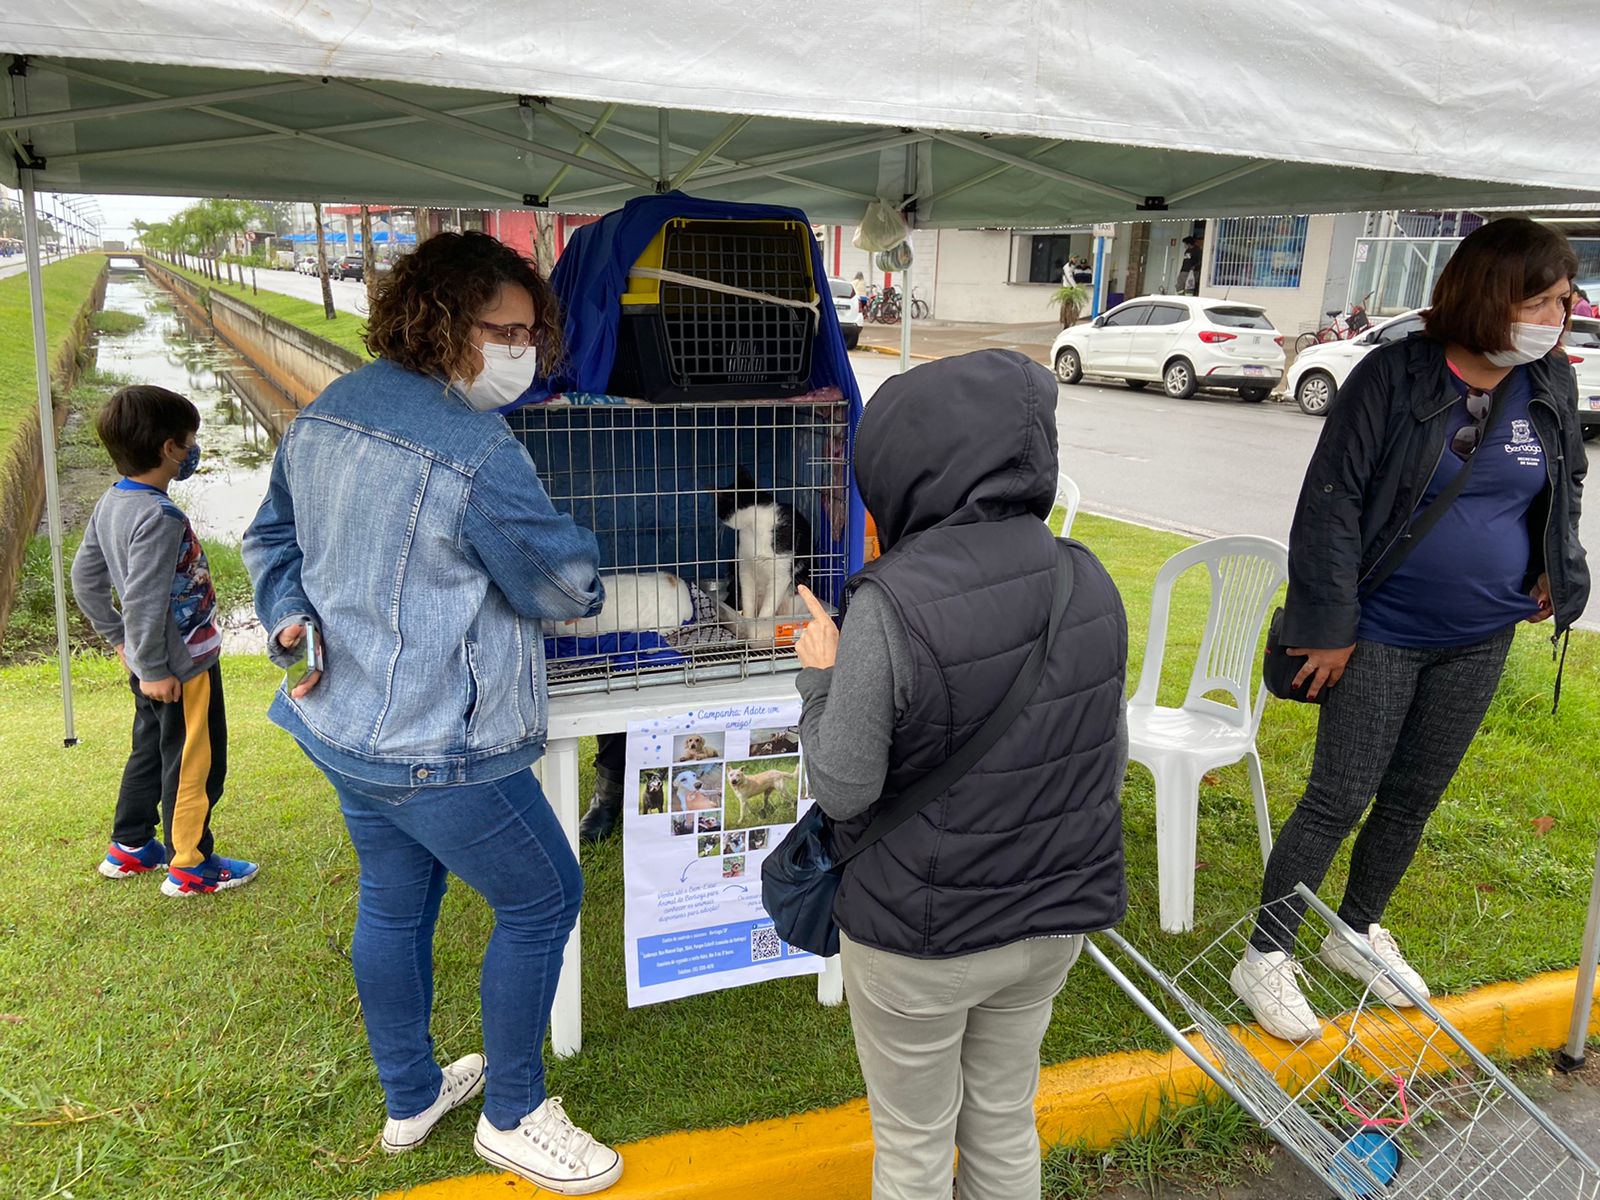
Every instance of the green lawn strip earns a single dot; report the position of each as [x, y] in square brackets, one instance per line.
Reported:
[67, 285]
[346, 329]
[147, 1045]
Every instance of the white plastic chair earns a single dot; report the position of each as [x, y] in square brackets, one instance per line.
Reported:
[1179, 745]
[1067, 496]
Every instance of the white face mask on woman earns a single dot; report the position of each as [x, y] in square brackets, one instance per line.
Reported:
[1529, 343]
[503, 378]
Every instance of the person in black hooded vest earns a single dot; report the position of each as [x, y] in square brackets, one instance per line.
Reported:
[959, 926]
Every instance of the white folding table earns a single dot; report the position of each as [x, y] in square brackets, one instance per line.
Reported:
[574, 717]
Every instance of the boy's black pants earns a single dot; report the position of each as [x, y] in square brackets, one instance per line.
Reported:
[175, 770]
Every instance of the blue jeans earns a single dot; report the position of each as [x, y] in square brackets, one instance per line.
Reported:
[503, 840]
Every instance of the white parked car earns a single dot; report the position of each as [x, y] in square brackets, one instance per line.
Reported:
[1180, 342]
[1583, 348]
[307, 265]
[1319, 372]
[850, 318]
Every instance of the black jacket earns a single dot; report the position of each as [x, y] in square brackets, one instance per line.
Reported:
[957, 463]
[1382, 442]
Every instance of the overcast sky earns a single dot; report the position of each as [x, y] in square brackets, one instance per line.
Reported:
[117, 211]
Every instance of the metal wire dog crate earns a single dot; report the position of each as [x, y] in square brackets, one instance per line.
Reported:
[1390, 1102]
[646, 478]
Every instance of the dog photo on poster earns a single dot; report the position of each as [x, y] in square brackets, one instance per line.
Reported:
[708, 793]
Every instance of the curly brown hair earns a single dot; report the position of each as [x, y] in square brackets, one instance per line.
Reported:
[424, 311]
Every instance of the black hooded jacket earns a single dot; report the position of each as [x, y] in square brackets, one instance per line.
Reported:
[956, 461]
[1371, 468]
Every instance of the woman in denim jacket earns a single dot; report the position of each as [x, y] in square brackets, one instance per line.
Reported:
[408, 526]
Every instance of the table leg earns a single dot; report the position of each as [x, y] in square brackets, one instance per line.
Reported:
[558, 774]
[830, 984]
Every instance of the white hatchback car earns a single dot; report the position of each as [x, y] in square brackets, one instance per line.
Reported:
[1318, 373]
[1180, 342]
[850, 319]
[1583, 348]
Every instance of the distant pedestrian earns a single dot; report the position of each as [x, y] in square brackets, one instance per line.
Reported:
[1414, 662]
[959, 927]
[863, 294]
[1581, 306]
[1189, 267]
[140, 547]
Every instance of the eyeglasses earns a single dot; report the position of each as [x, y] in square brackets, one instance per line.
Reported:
[518, 337]
[1469, 437]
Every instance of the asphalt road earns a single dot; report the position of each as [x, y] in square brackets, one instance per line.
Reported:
[348, 295]
[1208, 466]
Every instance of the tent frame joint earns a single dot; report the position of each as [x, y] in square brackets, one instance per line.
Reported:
[533, 200]
[18, 67]
[1153, 204]
[27, 160]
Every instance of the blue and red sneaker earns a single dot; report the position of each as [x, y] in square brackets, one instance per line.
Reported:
[216, 874]
[122, 863]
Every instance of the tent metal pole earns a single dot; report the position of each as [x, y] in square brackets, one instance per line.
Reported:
[663, 149]
[905, 318]
[1571, 1058]
[47, 442]
[134, 107]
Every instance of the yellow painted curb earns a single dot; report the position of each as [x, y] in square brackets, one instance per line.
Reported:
[894, 353]
[827, 1154]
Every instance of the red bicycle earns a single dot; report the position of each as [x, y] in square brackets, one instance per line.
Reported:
[1340, 328]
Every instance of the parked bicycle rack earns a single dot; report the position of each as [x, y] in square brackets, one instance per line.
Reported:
[1388, 1102]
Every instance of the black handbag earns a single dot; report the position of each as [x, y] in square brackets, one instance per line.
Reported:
[1278, 666]
[800, 878]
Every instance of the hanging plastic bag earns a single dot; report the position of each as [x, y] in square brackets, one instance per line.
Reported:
[882, 228]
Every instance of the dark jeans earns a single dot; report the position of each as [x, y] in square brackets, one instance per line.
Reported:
[176, 769]
[611, 758]
[503, 840]
[1397, 726]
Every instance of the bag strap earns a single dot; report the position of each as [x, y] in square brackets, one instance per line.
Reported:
[1400, 551]
[943, 777]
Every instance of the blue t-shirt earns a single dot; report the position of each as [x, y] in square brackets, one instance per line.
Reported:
[1466, 580]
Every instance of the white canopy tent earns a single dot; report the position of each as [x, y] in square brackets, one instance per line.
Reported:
[1009, 113]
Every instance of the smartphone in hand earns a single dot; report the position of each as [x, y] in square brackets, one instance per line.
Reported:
[310, 661]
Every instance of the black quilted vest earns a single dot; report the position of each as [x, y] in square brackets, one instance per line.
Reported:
[1029, 843]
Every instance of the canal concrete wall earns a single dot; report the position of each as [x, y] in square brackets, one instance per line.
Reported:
[297, 363]
[22, 463]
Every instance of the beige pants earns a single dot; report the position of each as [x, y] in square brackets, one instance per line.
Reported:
[949, 1048]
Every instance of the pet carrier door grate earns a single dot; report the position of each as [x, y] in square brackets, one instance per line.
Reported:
[1391, 1102]
[646, 478]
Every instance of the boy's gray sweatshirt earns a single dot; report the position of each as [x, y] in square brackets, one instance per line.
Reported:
[139, 548]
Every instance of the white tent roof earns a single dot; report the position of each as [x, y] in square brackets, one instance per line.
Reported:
[1008, 112]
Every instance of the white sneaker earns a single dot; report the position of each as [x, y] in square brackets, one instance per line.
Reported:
[549, 1150]
[463, 1079]
[1269, 989]
[1339, 954]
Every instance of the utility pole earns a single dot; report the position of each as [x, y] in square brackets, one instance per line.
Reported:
[369, 259]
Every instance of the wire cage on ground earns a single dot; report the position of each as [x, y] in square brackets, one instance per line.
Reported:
[670, 490]
[1387, 1101]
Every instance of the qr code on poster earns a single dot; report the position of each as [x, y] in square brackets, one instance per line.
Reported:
[765, 944]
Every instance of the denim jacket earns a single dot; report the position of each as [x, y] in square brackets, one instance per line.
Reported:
[415, 533]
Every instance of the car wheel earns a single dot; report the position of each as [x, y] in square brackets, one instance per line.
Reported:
[1179, 379]
[1254, 395]
[1590, 432]
[1068, 368]
[852, 337]
[1137, 385]
[1315, 392]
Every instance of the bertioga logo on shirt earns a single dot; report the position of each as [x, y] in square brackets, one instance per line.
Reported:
[1521, 430]
[1525, 444]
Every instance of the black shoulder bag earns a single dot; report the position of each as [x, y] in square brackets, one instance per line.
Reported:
[1278, 666]
[800, 878]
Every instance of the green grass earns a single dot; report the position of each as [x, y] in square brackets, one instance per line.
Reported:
[216, 1046]
[344, 330]
[66, 285]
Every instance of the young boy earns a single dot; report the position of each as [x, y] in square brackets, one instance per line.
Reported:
[139, 545]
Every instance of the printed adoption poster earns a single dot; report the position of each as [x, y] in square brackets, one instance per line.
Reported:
[707, 795]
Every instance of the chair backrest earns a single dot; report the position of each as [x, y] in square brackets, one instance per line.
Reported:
[1067, 496]
[1246, 573]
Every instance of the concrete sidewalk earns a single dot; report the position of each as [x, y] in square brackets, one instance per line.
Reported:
[942, 339]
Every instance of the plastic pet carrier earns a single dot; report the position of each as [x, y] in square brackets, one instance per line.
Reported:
[719, 310]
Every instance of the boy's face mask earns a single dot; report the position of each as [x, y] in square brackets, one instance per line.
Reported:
[190, 463]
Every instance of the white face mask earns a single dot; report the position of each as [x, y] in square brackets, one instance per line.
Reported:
[503, 378]
[1529, 343]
